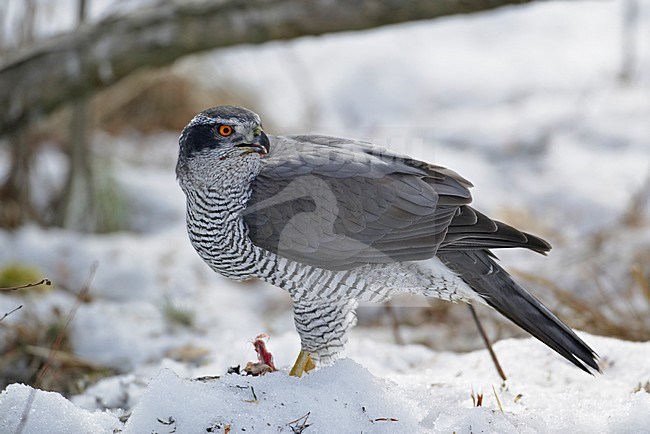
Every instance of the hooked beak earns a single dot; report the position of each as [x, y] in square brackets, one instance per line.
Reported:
[260, 145]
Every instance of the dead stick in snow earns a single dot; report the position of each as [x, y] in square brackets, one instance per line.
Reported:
[487, 342]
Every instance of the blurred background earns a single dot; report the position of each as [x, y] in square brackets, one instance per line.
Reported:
[544, 106]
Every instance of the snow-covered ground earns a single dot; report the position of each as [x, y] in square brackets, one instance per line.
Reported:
[401, 390]
[523, 101]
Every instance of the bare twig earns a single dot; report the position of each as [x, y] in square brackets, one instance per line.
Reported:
[15, 288]
[10, 312]
[28, 285]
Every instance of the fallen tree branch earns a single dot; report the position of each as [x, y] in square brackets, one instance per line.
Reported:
[40, 79]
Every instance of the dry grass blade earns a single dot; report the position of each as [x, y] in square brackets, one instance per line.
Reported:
[497, 398]
[477, 399]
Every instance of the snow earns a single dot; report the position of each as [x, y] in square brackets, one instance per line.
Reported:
[271, 402]
[523, 101]
[35, 411]
[432, 394]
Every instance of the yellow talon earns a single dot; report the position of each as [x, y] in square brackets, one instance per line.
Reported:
[303, 364]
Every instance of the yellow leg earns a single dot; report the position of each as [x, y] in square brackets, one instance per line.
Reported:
[303, 364]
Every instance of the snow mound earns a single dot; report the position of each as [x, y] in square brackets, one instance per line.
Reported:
[344, 397]
[37, 411]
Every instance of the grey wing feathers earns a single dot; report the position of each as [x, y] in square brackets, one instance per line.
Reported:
[338, 204]
[470, 229]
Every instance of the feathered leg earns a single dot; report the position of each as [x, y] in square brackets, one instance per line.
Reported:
[323, 327]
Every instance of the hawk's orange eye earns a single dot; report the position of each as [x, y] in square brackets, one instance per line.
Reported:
[225, 130]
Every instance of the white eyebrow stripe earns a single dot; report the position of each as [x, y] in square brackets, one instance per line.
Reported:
[201, 119]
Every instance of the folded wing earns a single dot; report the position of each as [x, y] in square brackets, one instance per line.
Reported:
[339, 204]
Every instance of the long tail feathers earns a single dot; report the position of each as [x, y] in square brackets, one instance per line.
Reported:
[480, 271]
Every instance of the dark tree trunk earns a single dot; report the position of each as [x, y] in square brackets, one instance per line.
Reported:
[76, 207]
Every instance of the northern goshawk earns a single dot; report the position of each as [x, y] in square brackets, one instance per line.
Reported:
[335, 221]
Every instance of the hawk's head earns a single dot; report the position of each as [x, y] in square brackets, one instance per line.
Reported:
[220, 148]
[223, 132]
